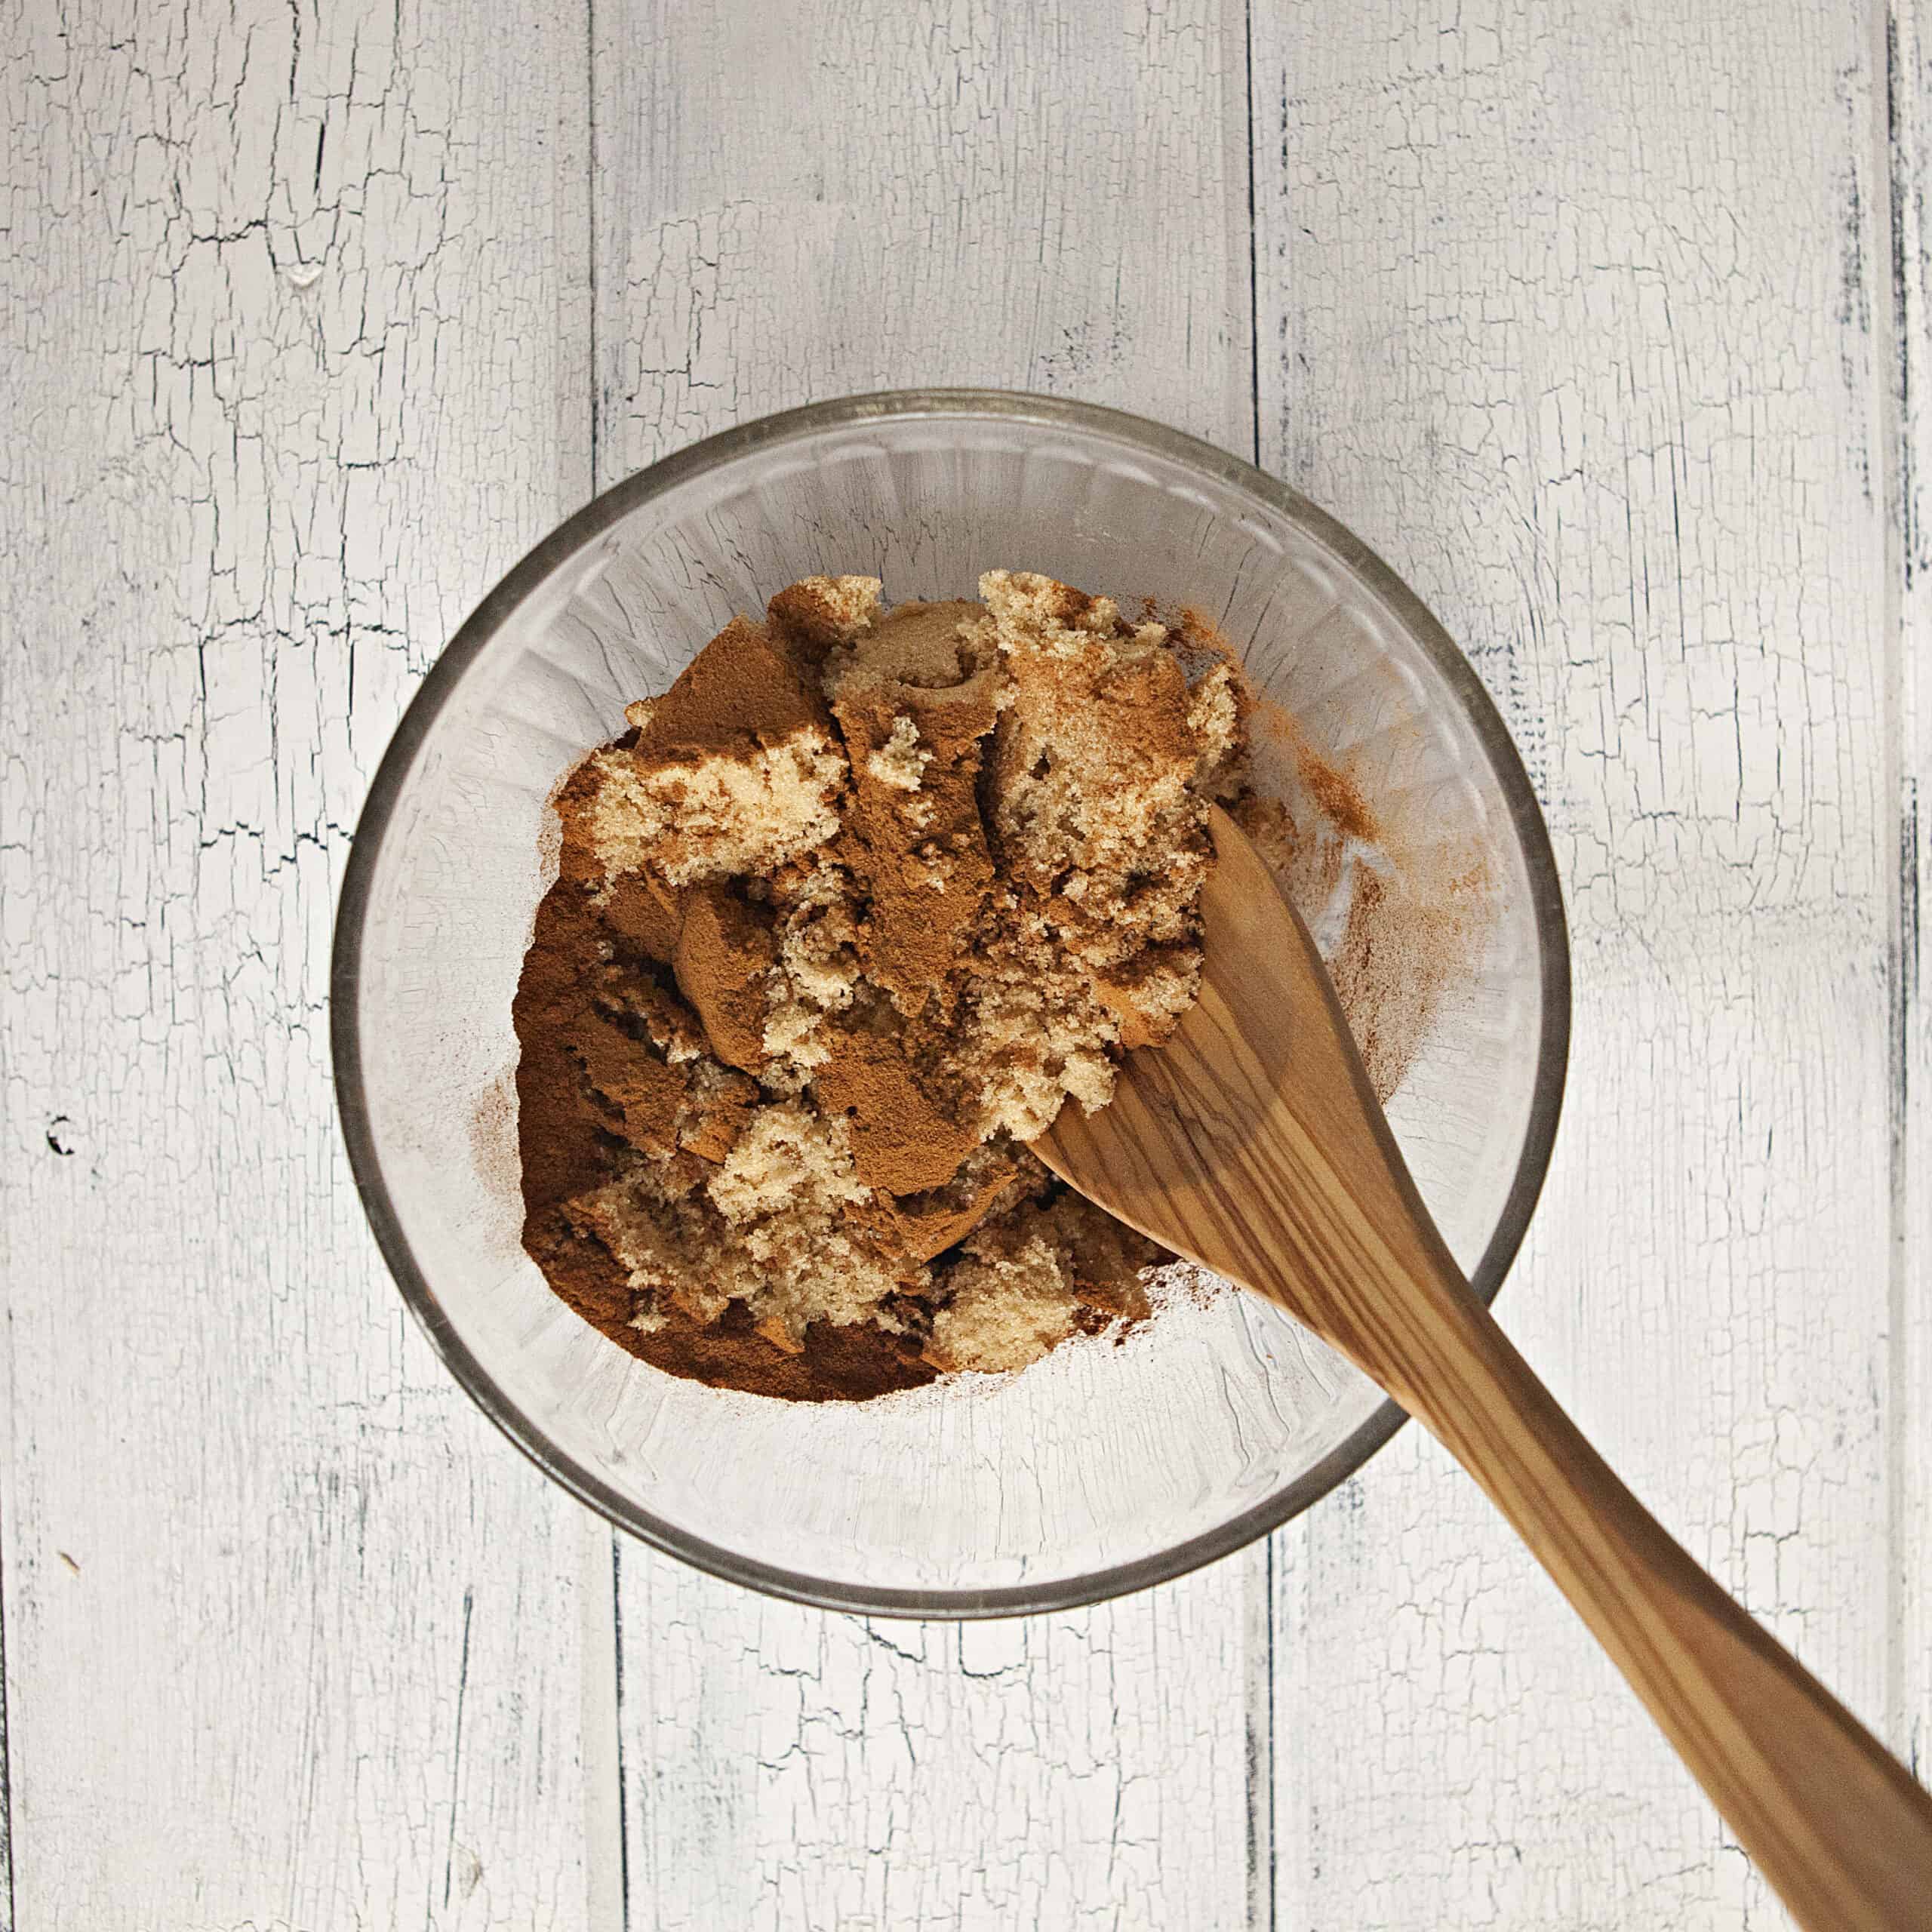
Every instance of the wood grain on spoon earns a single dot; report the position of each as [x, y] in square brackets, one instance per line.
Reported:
[1252, 1143]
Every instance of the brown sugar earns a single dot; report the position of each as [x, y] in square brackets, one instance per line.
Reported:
[842, 922]
[844, 918]
[735, 768]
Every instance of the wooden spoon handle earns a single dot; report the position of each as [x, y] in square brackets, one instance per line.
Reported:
[1251, 1142]
[1833, 1821]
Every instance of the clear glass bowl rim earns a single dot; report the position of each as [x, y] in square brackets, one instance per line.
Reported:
[576, 533]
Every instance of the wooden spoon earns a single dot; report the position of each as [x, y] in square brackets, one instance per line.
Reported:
[1252, 1143]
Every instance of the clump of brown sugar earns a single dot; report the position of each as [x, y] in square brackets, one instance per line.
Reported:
[843, 920]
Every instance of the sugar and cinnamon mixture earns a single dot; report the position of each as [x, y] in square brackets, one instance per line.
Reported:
[839, 924]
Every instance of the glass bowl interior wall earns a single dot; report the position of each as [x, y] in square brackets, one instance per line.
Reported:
[1105, 1467]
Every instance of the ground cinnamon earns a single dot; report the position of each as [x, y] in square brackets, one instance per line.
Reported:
[845, 918]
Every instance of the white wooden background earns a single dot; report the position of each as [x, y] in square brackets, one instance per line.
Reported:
[1606, 324]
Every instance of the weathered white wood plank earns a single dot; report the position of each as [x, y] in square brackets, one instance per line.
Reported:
[1908, 99]
[292, 1638]
[817, 197]
[797, 1768]
[1569, 310]
[800, 202]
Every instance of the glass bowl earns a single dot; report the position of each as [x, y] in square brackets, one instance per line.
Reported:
[1104, 1467]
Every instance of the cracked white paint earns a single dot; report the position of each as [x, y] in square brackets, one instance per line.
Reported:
[291, 1638]
[1584, 316]
[784, 1767]
[1580, 315]
[995, 195]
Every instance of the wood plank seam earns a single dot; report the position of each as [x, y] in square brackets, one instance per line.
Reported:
[6, 1765]
[1259, 1634]
[1899, 350]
